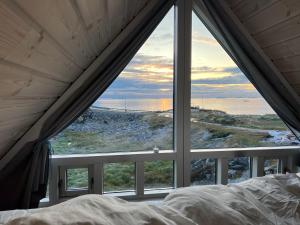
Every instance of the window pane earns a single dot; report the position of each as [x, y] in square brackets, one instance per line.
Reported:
[239, 169]
[77, 178]
[119, 177]
[272, 166]
[159, 174]
[226, 109]
[203, 171]
[135, 113]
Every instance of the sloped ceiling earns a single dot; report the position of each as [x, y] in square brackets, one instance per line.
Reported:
[275, 26]
[44, 47]
[46, 44]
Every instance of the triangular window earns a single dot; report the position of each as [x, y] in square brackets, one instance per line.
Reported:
[226, 109]
[136, 112]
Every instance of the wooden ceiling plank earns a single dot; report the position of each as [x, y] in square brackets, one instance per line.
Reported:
[64, 26]
[30, 22]
[29, 48]
[116, 23]
[251, 8]
[15, 82]
[85, 31]
[12, 30]
[37, 53]
[234, 3]
[278, 34]
[273, 16]
[20, 122]
[17, 103]
[94, 15]
[9, 112]
[288, 64]
[284, 49]
[33, 72]
[293, 77]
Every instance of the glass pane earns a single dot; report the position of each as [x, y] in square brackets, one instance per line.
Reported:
[239, 169]
[119, 177]
[272, 166]
[135, 113]
[203, 171]
[159, 174]
[226, 109]
[77, 178]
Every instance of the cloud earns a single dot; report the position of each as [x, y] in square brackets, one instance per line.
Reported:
[152, 77]
[224, 91]
[150, 69]
[221, 75]
[197, 37]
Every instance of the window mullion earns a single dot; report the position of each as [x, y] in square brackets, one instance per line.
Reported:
[182, 57]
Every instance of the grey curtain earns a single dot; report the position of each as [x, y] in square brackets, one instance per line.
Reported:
[24, 180]
[269, 82]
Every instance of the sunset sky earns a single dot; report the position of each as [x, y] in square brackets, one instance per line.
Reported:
[150, 72]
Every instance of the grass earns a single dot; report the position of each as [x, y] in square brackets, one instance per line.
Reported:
[121, 176]
[123, 131]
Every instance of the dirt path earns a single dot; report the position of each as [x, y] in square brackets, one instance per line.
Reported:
[253, 130]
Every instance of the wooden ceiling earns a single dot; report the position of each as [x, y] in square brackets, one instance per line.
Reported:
[44, 46]
[275, 26]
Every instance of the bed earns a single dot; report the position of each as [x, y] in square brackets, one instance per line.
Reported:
[269, 200]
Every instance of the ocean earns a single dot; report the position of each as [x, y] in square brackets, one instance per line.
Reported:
[237, 106]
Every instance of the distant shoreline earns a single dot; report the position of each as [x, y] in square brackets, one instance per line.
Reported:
[233, 106]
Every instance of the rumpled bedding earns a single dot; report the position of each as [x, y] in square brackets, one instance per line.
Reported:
[270, 200]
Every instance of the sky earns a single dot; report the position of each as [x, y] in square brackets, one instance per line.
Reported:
[150, 72]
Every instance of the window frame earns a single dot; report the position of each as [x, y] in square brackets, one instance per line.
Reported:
[182, 154]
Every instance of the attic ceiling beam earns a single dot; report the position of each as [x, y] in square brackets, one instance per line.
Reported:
[34, 131]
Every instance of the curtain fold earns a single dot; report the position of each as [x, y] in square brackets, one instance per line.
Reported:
[269, 82]
[23, 180]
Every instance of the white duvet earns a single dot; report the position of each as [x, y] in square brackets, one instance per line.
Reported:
[271, 200]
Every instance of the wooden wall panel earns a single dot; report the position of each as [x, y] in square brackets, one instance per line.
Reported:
[273, 15]
[247, 9]
[94, 14]
[280, 33]
[283, 49]
[288, 64]
[61, 22]
[44, 47]
[293, 78]
[275, 26]
[21, 44]
[12, 109]
[20, 83]
[234, 3]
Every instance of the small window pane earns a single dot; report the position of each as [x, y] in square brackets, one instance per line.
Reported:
[203, 171]
[238, 169]
[272, 166]
[159, 174]
[77, 178]
[119, 177]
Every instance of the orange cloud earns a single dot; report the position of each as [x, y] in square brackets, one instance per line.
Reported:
[196, 37]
